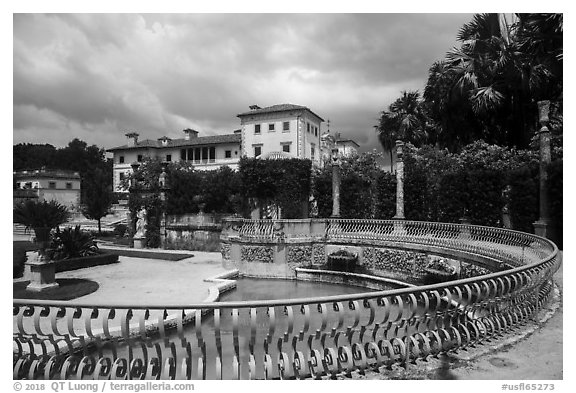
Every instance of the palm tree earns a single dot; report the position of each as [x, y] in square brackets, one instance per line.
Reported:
[386, 134]
[539, 39]
[41, 217]
[405, 119]
[488, 87]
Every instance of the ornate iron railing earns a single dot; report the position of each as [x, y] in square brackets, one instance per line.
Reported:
[295, 338]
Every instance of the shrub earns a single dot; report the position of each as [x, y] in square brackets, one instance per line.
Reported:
[45, 214]
[71, 243]
[485, 200]
[523, 198]
[452, 195]
[366, 190]
[285, 183]
[120, 230]
[385, 196]
[555, 200]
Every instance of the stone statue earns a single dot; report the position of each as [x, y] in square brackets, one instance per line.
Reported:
[141, 223]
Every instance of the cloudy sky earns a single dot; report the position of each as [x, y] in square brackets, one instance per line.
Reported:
[98, 76]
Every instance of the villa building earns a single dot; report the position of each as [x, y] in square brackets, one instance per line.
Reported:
[346, 147]
[47, 185]
[284, 130]
[205, 153]
[287, 128]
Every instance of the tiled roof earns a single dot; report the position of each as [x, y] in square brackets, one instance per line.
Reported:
[277, 108]
[46, 174]
[201, 140]
[347, 140]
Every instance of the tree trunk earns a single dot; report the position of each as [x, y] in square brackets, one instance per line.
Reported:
[99, 227]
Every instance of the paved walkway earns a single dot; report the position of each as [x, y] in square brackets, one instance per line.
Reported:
[533, 353]
[536, 356]
[155, 281]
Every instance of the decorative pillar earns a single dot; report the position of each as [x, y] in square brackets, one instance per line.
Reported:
[399, 182]
[541, 226]
[163, 182]
[336, 180]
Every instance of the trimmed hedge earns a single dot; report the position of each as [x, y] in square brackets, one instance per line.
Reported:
[84, 262]
[366, 190]
[523, 198]
[285, 183]
[555, 200]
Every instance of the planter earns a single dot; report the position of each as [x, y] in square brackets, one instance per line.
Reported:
[42, 240]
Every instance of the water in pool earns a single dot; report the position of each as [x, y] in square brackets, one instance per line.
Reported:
[274, 289]
[277, 332]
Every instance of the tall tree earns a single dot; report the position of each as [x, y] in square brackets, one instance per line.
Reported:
[488, 87]
[405, 119]
[98, 196]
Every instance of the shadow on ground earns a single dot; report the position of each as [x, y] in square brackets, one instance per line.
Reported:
[68, 289]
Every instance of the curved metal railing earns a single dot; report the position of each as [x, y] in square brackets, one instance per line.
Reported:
[295, 338]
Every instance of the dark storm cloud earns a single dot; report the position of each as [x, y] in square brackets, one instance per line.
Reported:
[96, 76]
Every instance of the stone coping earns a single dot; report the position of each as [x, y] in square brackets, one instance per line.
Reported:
[354, 276]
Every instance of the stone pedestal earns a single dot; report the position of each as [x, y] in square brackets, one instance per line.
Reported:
[42, 275]
[541, 228]
[139, 242]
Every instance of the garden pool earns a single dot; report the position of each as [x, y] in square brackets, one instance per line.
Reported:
[253, 289]
[248, 289]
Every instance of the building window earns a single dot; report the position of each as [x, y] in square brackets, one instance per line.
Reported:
[183, 154]
[315, 131]
[312, 151]
[139, 157]
[257, 150]
[271, 127]
[121, 160]
[121, 176]
[256, 128]
[286, 147]
[212, 152]
[168, 157]
[286, 126]
[197, 154]
[228, 154]
[52, 184]
[68, 186]
[308, 127]
[28, 185]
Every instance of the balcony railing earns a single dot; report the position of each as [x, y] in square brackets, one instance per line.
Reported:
[295, 338]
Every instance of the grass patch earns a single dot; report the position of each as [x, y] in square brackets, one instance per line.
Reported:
[149, 254]
[68, 289]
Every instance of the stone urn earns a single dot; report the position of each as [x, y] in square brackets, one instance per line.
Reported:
[42, 271]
